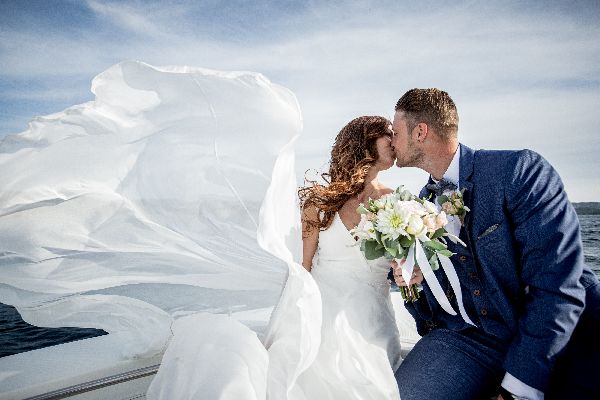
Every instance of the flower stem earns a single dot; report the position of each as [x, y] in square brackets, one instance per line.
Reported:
[409, 293]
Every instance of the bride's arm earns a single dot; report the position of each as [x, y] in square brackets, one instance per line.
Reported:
[310, 237]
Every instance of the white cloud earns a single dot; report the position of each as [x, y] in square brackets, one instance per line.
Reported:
[519, 79]
[126, 16]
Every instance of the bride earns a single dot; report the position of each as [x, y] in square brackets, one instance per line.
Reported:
[333, 333]
[164, 220]
[360, 342]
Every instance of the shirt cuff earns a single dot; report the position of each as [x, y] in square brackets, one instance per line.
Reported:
[520, 389]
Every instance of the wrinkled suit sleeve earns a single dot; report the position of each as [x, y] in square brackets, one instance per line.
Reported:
[547, 238]
[421, 313]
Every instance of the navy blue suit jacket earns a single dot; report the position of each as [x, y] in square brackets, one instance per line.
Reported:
[524, 238]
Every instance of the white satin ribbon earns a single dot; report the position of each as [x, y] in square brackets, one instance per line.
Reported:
[409, 265]
[454, 238]
[429, 276]
[453, 279]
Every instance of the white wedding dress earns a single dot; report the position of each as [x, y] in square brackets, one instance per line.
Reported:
[334, 340]
[164, 212]
[360, 342]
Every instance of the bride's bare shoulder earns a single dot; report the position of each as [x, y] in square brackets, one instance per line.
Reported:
[385, 190]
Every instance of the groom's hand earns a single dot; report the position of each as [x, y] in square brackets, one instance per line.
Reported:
[417, 276]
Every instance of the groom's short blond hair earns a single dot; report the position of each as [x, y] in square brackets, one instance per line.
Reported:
[433, 107]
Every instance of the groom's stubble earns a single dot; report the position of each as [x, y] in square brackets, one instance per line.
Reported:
[408, 153]
[412, 156]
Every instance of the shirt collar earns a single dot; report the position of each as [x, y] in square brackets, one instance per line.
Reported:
[452, 174]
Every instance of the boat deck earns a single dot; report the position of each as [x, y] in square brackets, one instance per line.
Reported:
[93, 369]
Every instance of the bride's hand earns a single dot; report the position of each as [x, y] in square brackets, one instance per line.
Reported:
[417, 276]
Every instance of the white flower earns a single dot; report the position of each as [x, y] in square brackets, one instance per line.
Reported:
[430, 207]
[365, 228]
[450, 192]
[385, 202]
[416, 226]
[391, 223]
[410, 207]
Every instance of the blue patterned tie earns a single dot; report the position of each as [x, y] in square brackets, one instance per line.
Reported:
[440, 187]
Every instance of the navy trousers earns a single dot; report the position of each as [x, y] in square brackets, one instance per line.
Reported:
[446, 365]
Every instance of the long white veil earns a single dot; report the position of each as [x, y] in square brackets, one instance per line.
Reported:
[145, 204]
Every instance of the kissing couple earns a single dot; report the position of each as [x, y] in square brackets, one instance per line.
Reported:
[534, 304]
[530, 308]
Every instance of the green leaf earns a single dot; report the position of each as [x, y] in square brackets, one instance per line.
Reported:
[446, 253]
[393, 251]
[442, 199]
[362, 210]
[433, 261]
[373, 250]
[428, 252]
[406, 241]
[402, 252]
[378, 236]
[434, 245]
[390, 243]
[437, 234]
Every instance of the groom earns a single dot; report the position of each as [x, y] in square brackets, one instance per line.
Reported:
[535, 304]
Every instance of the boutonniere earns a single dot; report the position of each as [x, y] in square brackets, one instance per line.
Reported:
[454, 204]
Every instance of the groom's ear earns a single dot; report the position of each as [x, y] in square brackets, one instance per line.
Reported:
[421, 130]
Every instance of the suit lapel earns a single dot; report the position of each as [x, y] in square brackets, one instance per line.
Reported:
[465, 175]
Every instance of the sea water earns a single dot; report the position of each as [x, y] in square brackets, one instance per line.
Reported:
[16, 336]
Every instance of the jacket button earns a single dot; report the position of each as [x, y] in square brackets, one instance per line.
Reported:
[462, 258]
[477, 292]
[483, 312]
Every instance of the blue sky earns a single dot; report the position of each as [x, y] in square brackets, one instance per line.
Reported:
[524, 74]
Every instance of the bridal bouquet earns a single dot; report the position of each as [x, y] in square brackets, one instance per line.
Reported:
[402, 226]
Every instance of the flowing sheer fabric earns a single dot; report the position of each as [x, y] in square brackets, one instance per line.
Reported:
[165, 213]
[332, 335]
[144, 205]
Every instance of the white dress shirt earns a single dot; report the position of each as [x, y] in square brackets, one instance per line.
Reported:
[452, 174]
[510, 383]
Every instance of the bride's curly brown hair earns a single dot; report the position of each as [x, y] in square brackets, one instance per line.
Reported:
[354, 152]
